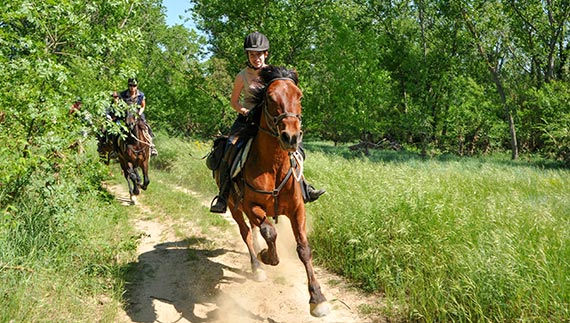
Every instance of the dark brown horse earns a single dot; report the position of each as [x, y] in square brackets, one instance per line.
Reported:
[268, 185]
[133, 153]
[105, 148]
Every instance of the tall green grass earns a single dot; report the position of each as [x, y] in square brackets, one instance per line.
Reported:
[62, 245]
[461, 240]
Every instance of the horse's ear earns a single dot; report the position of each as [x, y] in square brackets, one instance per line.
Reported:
[295, 76]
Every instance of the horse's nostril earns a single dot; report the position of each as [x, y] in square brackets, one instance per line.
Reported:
[285, 137]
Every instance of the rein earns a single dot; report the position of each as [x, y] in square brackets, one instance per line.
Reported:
[146, 137]
[274, 132]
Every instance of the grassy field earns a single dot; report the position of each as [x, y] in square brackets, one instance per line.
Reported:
[462, 240]
[445, 240]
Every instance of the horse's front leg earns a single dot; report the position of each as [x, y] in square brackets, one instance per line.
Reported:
[135, 179]
[318, 302]
[246, 235]
[127, 173]
[267, 256]
[145, 175]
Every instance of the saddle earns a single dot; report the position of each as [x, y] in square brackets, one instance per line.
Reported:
[215, 156]
[235, 154]
[240, 158]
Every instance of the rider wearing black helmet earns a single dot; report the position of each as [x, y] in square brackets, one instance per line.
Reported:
[256, 46]
[134, 96]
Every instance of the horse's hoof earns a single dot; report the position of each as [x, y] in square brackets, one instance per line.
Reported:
[133, 200]
[320, 310]
[264, 257]
[259, 275]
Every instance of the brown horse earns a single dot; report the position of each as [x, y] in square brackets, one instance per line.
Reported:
[268, 184]
[105, 147]
[133, 153]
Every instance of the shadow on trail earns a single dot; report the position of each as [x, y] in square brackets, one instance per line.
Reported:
[183, 276]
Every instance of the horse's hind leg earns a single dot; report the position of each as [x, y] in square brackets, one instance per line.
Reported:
[318, 302]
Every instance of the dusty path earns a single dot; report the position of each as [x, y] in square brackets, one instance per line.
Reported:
[208, 279]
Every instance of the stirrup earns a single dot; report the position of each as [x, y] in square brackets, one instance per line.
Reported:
[216, 207]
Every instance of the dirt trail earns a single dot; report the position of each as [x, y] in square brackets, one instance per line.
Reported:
[207, 278]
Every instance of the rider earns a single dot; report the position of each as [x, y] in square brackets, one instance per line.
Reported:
[133, 95]
[256, 46]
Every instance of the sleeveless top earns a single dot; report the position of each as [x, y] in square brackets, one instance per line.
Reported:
[250, 84]
[126, 96]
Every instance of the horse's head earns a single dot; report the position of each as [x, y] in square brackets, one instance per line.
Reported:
[131, 119]
[282, 108]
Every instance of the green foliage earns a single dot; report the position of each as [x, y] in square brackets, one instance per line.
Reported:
[553, 100]
[400, 68]
[57, 224]
[55, 221]
[443, 76]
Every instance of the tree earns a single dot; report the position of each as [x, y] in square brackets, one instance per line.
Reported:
[484, 22]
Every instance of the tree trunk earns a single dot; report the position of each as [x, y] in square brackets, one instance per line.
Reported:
[495, 73]
[508, 113]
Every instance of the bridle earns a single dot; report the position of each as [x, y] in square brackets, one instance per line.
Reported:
[272, 121]
[133, 131]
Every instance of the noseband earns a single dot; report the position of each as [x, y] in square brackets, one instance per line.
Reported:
[273, 121]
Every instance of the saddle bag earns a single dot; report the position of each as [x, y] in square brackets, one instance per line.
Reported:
[217, 153]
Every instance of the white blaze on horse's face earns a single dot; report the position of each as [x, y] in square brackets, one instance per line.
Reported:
[285, 106]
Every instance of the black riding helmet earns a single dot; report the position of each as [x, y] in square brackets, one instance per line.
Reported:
[256, 42]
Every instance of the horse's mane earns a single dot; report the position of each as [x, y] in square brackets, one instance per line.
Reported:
[266, 75]
[136, 128]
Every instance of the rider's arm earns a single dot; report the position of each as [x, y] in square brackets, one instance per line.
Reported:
[238, 87]
[142, 106]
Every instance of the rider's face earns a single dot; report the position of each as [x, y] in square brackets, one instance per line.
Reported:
[257, 59]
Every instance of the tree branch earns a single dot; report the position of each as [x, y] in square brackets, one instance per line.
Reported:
[127, 17]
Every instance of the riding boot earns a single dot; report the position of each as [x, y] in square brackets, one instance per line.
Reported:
[225, 184]
[310, 194]
[153, 151]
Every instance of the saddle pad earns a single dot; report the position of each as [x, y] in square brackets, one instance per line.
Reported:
[240, 159]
